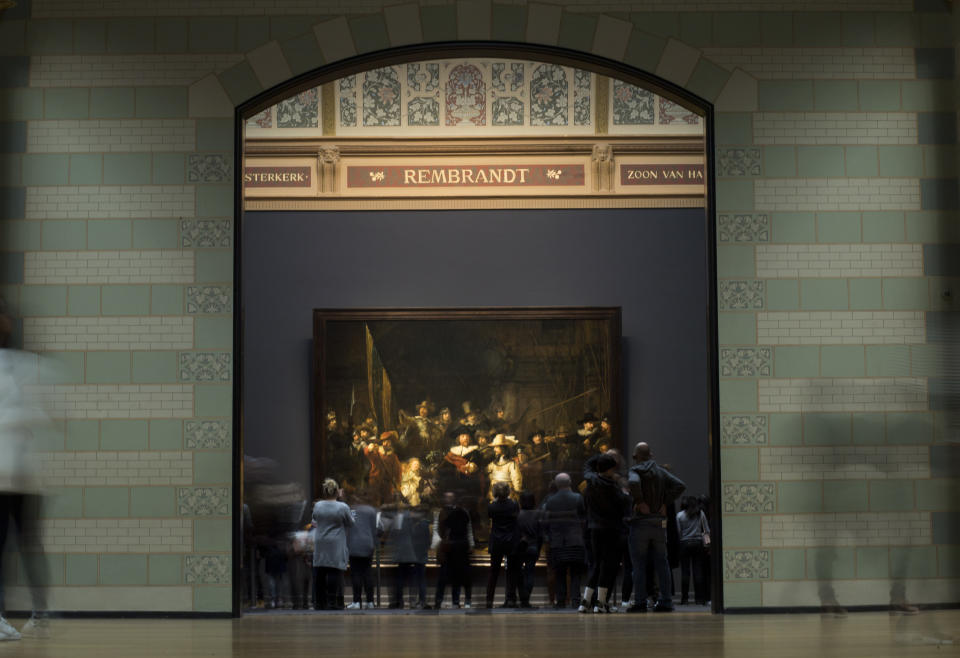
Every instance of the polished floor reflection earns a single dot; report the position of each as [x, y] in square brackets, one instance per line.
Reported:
[455, 633]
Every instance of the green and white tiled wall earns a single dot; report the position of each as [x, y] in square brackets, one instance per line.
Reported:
[837, 220]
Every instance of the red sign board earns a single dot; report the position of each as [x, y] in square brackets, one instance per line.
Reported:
[533, 175]
[276, 177]
[661, 174]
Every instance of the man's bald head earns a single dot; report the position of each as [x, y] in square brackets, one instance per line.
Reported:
[642, 452]
[562, 481]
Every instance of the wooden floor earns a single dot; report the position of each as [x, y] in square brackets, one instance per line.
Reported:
[534, 635]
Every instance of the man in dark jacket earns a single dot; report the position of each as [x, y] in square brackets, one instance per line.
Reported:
[651, 488]
[563, 514]
[607, 506]
[454, 539]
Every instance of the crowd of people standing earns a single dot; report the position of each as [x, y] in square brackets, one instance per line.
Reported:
[616, 521]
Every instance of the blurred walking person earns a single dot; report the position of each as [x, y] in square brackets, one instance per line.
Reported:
[19, 485]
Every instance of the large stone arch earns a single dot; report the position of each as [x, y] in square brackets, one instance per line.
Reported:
[272, 66]
[338, 46]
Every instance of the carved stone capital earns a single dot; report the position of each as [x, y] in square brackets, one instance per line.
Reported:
[329, 154]
[602, 153]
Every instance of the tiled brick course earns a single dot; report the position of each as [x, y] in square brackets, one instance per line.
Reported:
[841, 328]
[112, 136]
[818, 63]
[844, 463]
[843, 394]
[838, 260]
[126, 266]
[123, 201]
[849, 128]
[789, 194]
[116, 401]
[855, 529]
[107, 333]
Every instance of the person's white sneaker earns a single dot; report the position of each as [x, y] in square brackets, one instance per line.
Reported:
[36, 626]
[353, 606]
[466, 606]
[8, 632]
[582, 608]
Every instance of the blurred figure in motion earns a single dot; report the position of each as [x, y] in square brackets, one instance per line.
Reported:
[331, 518]
[19, 485]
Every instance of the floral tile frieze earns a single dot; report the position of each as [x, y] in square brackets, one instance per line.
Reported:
[549, 93]
[207, 569]
[203, 501]
[348, 101]
[209, 299]
[746, 565]
[205, 366]
[300, 111]
[381, 97]
[206, 233]
[750, 498]
[209, 168]
[744, 430]
[206, 434]
[672, 114]
[746, 361]
[738, 161]
[742, 295]
[632, 105]
[743, 228]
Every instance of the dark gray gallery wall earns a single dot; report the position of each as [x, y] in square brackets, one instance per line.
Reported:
[650, 262]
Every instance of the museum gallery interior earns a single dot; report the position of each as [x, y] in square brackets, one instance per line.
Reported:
[317, 311]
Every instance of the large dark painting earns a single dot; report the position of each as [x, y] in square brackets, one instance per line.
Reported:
[414, 403]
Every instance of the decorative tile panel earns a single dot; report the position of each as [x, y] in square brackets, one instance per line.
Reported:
[507, 111]
[742, 295]
[743, 430]
[206, 233]
[757, 498]
[348, 101]
[209, 168]
[262, 119]
[206, 434]
[746, 565]
[672, 114]
[738, 161]
[743, 228]
[423, 78]
[203, 501]
[209, 299]
[205, 366]
[582, 82]
[549, 94]
[423, 112]
[466, 96]
[746, 362]
[632, 105]
[300, 111]
[207, 569]
[381, 97]
[507, 77]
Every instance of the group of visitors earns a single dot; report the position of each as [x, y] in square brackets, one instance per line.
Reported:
[615, 520]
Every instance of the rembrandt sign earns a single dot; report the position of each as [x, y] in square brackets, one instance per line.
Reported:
[661, 174]
[532, 175]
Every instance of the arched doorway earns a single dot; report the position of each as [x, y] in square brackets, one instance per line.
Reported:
[543, 246]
